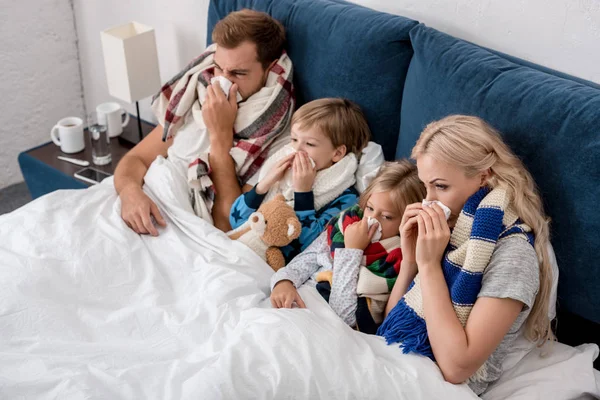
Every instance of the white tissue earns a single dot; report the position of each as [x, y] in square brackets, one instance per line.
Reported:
[439, 203]
[377, 235]
[225, 85]
[289, 149]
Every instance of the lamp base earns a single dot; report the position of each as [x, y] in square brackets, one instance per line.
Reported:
[131, 133]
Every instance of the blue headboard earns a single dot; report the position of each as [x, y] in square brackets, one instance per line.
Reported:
[342, 50]
[551, 121]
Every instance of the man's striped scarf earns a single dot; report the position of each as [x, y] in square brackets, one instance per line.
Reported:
[378, 271]
[260, 119]
[485, 219]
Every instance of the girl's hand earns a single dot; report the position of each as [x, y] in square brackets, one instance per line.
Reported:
[409, 231]
[284, 295]
[358, 235]
[303, 173]
[433, 238]
[275, 174]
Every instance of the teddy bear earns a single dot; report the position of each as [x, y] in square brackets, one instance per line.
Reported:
[272, 226]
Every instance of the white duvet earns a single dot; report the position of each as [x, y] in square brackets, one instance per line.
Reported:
[91, 310]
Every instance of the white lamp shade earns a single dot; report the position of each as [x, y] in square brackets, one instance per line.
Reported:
[130, 61]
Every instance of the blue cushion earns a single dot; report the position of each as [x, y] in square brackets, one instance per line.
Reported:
[342, 50]
[552, 123]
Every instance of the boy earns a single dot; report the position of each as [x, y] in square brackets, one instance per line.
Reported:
[315, 173]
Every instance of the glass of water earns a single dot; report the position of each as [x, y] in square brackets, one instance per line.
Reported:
[100, 141]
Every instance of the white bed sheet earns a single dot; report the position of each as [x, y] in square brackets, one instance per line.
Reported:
[91, 310]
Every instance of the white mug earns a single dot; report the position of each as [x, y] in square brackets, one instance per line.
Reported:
[111, 115]
[68, 135]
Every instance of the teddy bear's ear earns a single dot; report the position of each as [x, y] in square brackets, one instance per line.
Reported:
[294, 228]
[279, 197]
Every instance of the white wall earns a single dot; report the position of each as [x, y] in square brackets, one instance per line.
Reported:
[559, 34]
[40, 81]
[180, 30]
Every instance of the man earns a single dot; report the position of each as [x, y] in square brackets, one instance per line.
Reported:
[249, 44]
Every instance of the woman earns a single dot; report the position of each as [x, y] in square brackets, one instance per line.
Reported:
[484, 276]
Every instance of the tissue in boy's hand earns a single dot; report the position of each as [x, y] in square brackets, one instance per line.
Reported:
[288, 149]
[225, 85]
[439, 203]
[377, 235]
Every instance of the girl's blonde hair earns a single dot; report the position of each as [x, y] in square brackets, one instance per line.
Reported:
[401, 180]
[473, 145]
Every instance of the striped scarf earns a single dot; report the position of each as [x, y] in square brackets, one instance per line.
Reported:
[378, 271]
[260, 119]
[485, 218]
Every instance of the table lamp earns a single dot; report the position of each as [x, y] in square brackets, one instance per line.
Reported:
[131, 64]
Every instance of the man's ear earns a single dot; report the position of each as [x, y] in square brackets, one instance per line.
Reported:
[339, 153]
[272, 64]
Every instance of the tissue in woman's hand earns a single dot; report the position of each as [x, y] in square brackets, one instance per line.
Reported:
[225, 85]
[377, 235]
[439, 203]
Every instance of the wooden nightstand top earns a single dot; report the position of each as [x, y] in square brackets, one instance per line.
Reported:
[48, 152]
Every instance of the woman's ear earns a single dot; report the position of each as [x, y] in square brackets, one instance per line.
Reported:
[339, 153]
[485, 176]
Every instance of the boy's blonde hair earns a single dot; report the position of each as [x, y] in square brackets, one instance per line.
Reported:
[341, 120]
[473, 145]
[401, 180]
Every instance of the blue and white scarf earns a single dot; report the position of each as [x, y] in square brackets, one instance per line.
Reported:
[485, 218]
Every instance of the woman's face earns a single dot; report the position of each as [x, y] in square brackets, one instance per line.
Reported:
[449, 184]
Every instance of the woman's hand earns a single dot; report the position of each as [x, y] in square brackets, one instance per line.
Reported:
[303, 173]
[433, 236]
[409, 231]
[284, 295]
[358, 235]
[275, 174]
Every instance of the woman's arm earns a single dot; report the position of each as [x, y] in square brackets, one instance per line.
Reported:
[408, 271]
[460, 351]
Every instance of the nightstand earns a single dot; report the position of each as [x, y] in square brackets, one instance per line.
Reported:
[44, 173]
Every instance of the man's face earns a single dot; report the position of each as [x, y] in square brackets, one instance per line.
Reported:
[240, 65]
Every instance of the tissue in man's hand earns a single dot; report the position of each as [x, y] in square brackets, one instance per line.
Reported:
[439, 203]
[225, 85]
[377, 235]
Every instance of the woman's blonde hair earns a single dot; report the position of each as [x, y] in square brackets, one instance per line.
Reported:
[473, 145]
[341, 120]
[401, 180]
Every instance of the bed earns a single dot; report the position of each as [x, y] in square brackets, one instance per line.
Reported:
[91, 310]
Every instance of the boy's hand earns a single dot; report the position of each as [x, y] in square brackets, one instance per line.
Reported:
[284, 295]
[304, 173]
[358, 235]
[275, 174]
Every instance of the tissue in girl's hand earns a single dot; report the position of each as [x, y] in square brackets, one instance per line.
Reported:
[377, 235]
[439, 203]
[225, 85]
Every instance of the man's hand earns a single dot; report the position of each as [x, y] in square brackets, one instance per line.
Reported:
[219, 115]
[136, 209]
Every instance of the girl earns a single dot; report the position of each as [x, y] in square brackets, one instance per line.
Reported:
[484, 275]
[356, 274]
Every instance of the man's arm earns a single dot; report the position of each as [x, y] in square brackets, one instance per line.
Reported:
[136, 206]
[227, 187]
[219, 115]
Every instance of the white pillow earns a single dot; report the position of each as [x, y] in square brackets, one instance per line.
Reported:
[370, 161]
